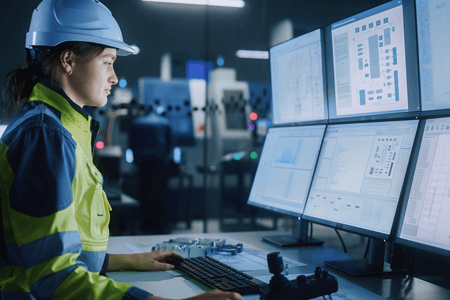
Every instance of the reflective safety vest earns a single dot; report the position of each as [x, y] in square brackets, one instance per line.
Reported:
[55, 214]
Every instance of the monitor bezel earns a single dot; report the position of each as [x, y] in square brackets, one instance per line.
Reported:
[412, 70]
[404, 201]
[362, 231]
[284, 211]
[324, 79]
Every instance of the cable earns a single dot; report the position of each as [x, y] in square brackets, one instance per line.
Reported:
[367, 249]
[342, 241]
[310, 229]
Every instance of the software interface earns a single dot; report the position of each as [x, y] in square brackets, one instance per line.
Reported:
[433, 27]
[297, 79]
[369, 62]
[426, 218]
[360, 172]
[285, 169]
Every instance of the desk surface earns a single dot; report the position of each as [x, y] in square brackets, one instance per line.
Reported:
[392, 287]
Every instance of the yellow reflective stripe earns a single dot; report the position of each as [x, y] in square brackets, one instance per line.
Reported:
[7, 174]
[51, 266]
[6, 178]
[107, 209]
[5, 273]
[87, 285]
[27, 228]
[82, 137]
[18, 282]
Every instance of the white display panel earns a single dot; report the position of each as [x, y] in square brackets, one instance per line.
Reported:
[360, 174]
[433, 26]
[426, 218]
[286, 167]
[297, 79]
[369, 62]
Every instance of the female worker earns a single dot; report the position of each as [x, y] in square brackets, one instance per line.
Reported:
[55, 214]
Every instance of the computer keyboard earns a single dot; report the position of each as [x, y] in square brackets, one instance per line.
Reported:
[218, 275]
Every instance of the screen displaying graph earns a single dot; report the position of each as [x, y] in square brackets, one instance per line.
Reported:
[369, 62]
[433, 27]
[287, 151]
[297, 79]
[286, 167]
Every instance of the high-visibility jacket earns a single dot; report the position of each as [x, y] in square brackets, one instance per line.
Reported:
[55, 214]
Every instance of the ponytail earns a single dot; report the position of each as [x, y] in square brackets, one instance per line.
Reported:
[18, 85]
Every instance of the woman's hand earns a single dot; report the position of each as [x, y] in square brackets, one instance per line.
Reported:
[157, 261]
[211, 295]
[149, 261]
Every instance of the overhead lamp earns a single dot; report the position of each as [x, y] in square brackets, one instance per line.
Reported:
[255, 54]
[227, 3]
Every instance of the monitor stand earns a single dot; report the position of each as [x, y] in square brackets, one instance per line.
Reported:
[373, 265]
[289, 240]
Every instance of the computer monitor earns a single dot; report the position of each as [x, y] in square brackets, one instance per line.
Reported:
[372, 65]
[2, 129]
[285, 171]
[434, 50]
[424, 221]
[359, 179]
[298, 82]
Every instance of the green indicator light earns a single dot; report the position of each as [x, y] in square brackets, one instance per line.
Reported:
[237, 156]
[254, 155]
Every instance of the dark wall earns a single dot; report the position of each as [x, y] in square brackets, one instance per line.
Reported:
[187, 31]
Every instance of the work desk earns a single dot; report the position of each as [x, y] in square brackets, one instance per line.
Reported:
[391, 287]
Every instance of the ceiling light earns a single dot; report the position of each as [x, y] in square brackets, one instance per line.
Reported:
[228, 3]
[255, 54]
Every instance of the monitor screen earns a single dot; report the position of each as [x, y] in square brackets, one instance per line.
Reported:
[2, 129]
[297, 77]
[371, 55]
[286, 167]
[424, 220]
[359, 176]
[434, 50]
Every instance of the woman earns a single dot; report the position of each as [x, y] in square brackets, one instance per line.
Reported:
[55, 214]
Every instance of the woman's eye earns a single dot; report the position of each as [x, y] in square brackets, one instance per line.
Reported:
[108, 63]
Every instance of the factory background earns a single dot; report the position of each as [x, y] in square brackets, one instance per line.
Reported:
[181, 47]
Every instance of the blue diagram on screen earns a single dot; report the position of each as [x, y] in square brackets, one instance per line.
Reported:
[290, 152]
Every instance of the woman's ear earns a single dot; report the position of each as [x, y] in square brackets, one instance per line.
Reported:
[66, 60]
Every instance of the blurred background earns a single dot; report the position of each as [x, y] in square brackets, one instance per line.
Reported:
[183, 129]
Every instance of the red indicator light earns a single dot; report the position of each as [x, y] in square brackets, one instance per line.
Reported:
[100, 145]
[253, 116]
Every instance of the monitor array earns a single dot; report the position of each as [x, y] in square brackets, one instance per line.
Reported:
[360, 131]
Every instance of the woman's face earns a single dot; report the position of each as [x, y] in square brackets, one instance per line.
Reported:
[91, 80]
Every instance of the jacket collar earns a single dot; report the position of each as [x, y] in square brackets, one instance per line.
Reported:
[51, 93]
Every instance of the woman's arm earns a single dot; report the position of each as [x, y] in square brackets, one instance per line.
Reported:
[149, 261]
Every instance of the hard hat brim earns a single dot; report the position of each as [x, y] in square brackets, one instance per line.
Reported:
[51, 39]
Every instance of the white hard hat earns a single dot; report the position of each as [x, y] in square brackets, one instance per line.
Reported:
[57, 21]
